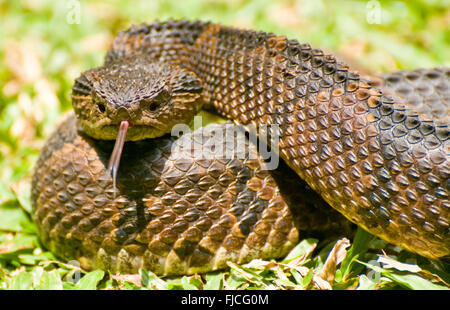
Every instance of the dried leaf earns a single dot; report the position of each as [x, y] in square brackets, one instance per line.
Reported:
[133, 278]
[302, 251]
[258, 263]
[321, 284]
[335, 257]
[391, 263]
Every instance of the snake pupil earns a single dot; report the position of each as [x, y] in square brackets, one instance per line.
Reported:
[153, 106]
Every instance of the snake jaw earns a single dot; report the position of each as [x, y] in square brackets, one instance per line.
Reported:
[114, 160]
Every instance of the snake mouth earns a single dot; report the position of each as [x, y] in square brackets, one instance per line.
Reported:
[131, 126]
[135, 132]
[116, 154]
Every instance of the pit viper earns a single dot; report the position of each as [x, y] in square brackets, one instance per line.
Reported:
[348, 148]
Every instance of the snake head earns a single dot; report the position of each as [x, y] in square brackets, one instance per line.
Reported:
[151, 97]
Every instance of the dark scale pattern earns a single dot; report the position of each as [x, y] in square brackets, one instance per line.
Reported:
[365, 149]
[174, 211]
[169, 41]
[348, 141]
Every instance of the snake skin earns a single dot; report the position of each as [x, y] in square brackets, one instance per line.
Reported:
[174, 212]
[380, 159]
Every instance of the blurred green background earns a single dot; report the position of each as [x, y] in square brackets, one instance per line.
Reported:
[45, 44]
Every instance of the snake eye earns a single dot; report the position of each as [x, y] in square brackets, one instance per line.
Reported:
[153, 106]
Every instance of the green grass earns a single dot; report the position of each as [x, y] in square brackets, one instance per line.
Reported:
[41, 54]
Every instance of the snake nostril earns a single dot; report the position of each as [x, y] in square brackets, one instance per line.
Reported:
[101, 107]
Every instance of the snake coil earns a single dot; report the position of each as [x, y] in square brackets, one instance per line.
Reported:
[377, 154]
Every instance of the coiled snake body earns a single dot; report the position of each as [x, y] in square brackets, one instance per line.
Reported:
[379, 160]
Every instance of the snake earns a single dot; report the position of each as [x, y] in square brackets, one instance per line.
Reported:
[116, 189]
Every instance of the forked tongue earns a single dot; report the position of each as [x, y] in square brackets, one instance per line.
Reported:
[114, 160]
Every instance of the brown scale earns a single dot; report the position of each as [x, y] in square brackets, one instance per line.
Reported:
[378, 163]
[360, 150]
[374, 158]
[173, 213]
